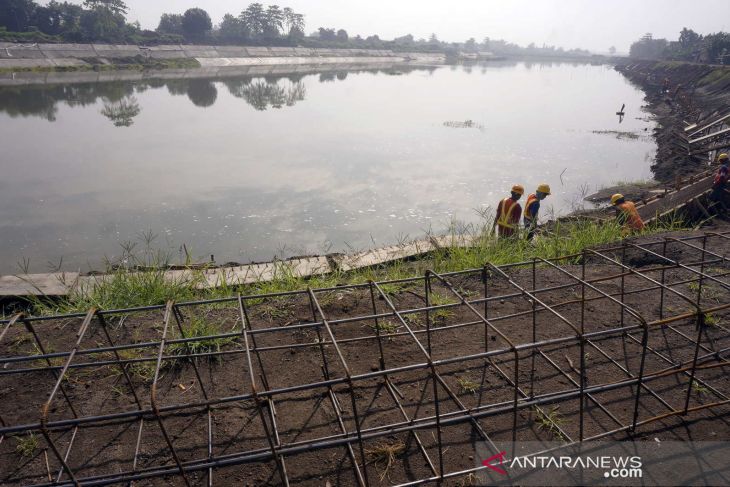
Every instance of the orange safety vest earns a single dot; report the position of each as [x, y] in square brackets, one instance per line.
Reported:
[633, 219]
[509, 215]
[531, 200]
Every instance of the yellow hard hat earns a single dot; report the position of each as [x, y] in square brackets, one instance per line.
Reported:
[544, 188]
[517, 188]
[616, 197]
[722, 157]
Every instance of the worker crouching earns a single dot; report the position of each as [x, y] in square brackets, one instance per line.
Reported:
[627, 215]
[509, 212]
[532, 208]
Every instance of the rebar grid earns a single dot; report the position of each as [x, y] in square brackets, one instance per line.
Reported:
[288, 388]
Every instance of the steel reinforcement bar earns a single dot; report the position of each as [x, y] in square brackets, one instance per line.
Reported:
[663, 311]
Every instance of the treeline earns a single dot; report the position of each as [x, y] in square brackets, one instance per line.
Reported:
[257, 24]
[93, 21]
[691, 47]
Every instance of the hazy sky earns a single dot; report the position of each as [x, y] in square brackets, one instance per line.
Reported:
[591, 24]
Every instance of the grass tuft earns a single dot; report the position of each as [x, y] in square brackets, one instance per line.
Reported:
[27, 445]
[384, 454]
[467, 385]
[550, 421]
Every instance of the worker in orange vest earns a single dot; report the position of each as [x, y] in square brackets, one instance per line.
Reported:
[532, 208]
[627, 215]
[509, 212]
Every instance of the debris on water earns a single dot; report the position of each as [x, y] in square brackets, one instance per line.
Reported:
[468, 124]
[619, 134]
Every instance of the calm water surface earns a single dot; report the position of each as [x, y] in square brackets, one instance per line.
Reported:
[249, 168]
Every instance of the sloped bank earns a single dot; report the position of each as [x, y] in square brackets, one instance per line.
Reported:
[85, 56]
[697, 92]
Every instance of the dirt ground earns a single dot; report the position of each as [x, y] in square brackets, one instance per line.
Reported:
[287, 352]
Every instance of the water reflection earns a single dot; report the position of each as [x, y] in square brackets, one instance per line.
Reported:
[264, 94]
[121, 107]
[202, 93]
[122, 112]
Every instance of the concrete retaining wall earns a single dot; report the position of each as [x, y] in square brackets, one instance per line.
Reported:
[61, 284]
[49, 55]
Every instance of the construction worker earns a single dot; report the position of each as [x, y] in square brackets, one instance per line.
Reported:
[532, 208]
[627, 215]
[509, 212]
[720, 184]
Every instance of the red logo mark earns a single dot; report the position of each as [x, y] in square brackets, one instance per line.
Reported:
[488, 463]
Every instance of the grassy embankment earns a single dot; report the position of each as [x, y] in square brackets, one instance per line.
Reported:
[124, 288]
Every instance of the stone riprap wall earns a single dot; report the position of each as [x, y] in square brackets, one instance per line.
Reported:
[69, 55]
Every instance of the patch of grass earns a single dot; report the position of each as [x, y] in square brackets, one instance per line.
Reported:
[142, 371]
[467, 385]
[699, 388]
[638, 183]
[712, 320]
[550, 421]
[276, 309]
[384, 326]
[125, 287]
[27, 445]
[708, 292]
[442, 314]
[714, 76]
[384, 454]
[204, 329]
[413, 319]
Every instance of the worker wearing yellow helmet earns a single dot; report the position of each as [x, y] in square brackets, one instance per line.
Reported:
[532, 208]
[509, 212]
[627, 214]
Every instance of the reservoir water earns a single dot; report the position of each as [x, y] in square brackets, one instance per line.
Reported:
[251, 167]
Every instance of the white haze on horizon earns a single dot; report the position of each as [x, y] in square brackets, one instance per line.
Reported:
[588, 24]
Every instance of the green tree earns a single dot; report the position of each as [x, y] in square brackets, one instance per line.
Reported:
[327, 34]
[254, 18]
[342, 35]
[116, 7]
[689, 38]
[274, 19]
[102, 22]
[196, 23]
[15, 15]
[170, 24]
[232, 29]
[648, 48]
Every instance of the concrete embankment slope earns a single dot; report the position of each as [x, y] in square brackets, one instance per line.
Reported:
[79, 55]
